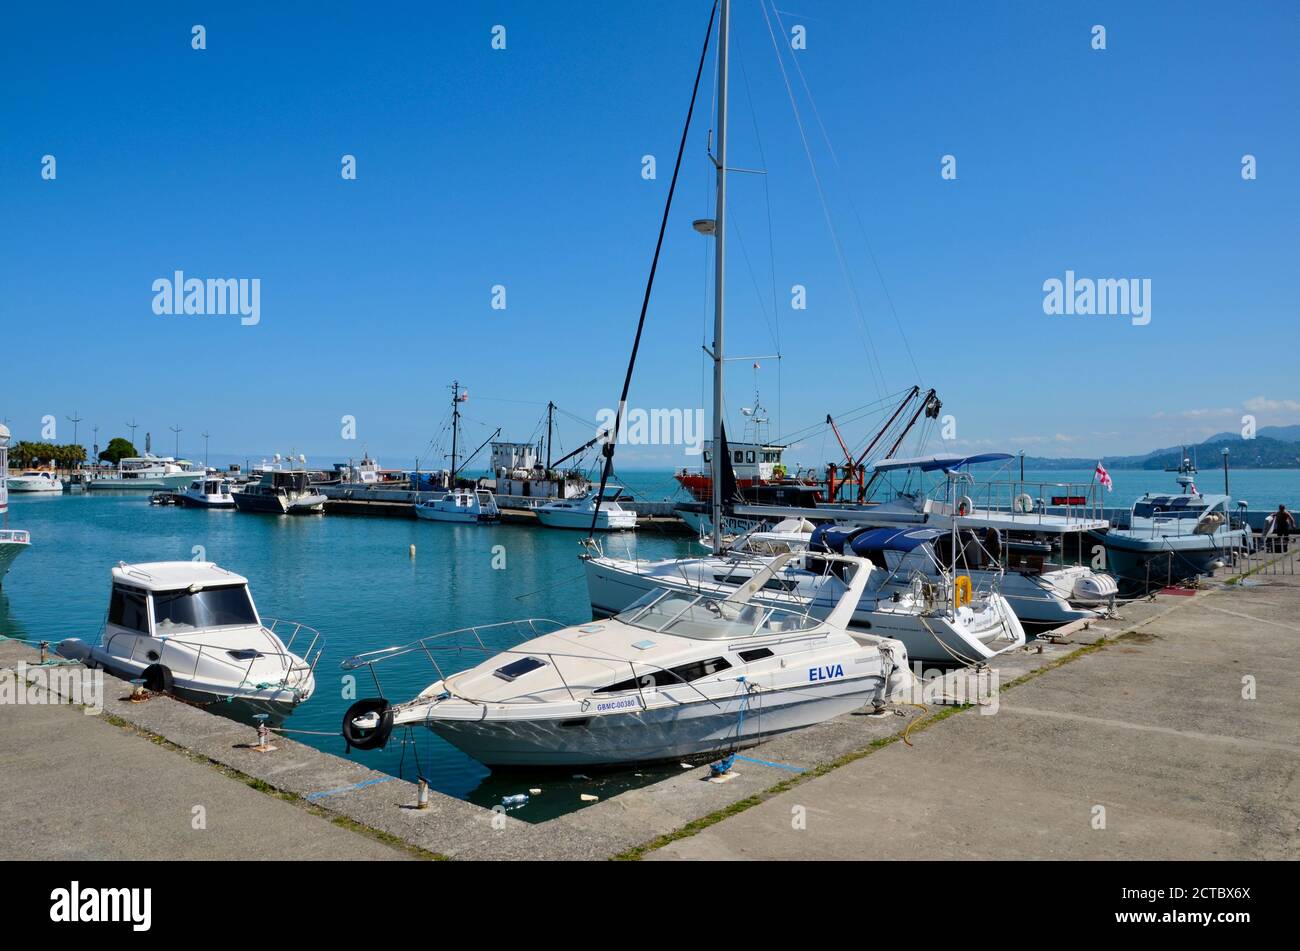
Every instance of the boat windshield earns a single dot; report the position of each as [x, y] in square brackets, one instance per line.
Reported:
[1168, 507]
[702, 617]
[185, 611]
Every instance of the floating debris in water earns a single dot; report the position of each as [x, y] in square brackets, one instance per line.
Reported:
[588, 797]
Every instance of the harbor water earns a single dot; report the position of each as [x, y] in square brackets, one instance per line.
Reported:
[351, 578]
[354, 580]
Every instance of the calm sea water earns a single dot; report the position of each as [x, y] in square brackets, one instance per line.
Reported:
[351, 578]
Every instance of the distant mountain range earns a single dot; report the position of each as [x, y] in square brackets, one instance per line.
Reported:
[1274, 447]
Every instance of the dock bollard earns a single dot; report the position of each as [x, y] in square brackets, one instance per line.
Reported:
[263, 734]
[422, 790]
[138, 693]
[45, 645]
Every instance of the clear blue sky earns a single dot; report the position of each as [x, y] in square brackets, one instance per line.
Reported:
[522, 167]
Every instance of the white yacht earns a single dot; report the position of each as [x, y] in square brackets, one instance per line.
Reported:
[207, 493]
[578, 514]
[191, 628]
[939, 616]
[13, 541]
[148, 472]
[460, 505]
[35, 480]
[677, 674]
[1029, 523]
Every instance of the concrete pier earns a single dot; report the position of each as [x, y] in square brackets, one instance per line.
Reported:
[1170, 731]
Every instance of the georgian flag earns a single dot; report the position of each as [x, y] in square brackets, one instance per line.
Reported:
[1103, 477]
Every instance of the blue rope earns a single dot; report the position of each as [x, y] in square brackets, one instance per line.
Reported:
[723, 766]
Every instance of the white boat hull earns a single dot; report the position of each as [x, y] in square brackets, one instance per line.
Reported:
[34, 485]
[581, 521]
[9, 550]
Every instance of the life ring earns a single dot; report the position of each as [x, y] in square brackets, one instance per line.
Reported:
[364, 738]
[158, 679]
[1024, 503]
[965, 505]
[963, 590]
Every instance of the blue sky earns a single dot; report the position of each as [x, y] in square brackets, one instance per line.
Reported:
[522, 167]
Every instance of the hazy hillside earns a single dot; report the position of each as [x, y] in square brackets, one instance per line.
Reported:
[1275, 447]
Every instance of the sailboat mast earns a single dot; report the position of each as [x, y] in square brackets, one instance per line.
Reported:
[720, 239]
[550, 416]
[455, 426]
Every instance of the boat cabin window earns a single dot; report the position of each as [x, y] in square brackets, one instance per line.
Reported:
[739, 455]
[749, 456]
[178, 612]
[127, 608]
[683, 674]
[708, 455]
[1162, 507]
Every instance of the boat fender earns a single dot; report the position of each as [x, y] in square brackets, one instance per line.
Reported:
[368, 737]
[964, 590]
[157, 678]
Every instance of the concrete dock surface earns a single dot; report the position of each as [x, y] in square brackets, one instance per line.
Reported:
[1134, 738]
[1154, 730]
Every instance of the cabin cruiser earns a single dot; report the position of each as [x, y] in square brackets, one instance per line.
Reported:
[677, 674]
[1174, 537]
[460, 505]
[148, 472]
[280, 492]
[908, 595]
[191, 628]
[35, 480]
[13, 541]
[579, 513]
[207, 493]
[1008, 537]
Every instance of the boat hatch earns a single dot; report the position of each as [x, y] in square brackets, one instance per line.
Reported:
[516, 669]
[245, 654]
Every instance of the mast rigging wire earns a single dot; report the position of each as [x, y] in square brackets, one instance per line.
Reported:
[608, 448]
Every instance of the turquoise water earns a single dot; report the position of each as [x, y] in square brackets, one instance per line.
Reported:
[350, 577]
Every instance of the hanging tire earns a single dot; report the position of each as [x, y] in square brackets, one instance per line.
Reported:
[158, 679]
[364, 738]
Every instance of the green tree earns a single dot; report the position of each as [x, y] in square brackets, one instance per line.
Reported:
[117, 450]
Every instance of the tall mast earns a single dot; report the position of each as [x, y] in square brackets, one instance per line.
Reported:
[550, 413]
[455, 426]
[720, 237]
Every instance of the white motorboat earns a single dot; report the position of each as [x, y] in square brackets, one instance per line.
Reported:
[1004, 516]
[208, 493]
[148, 472]
[35, 480]
[191, 628]
[677, 674]
[13, 542]
[937, 616]
[460, 505]
[578, 514]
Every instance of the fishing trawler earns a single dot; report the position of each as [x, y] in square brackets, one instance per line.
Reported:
[460, 503]
[675, 675]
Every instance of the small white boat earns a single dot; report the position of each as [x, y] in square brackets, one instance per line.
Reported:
[577, 514]
[675, 675]
[207, 494]
[35, 480]
[13, 541]
[460, 505]
[191, 628]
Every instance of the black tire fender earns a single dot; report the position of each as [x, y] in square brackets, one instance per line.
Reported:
[368, 739]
